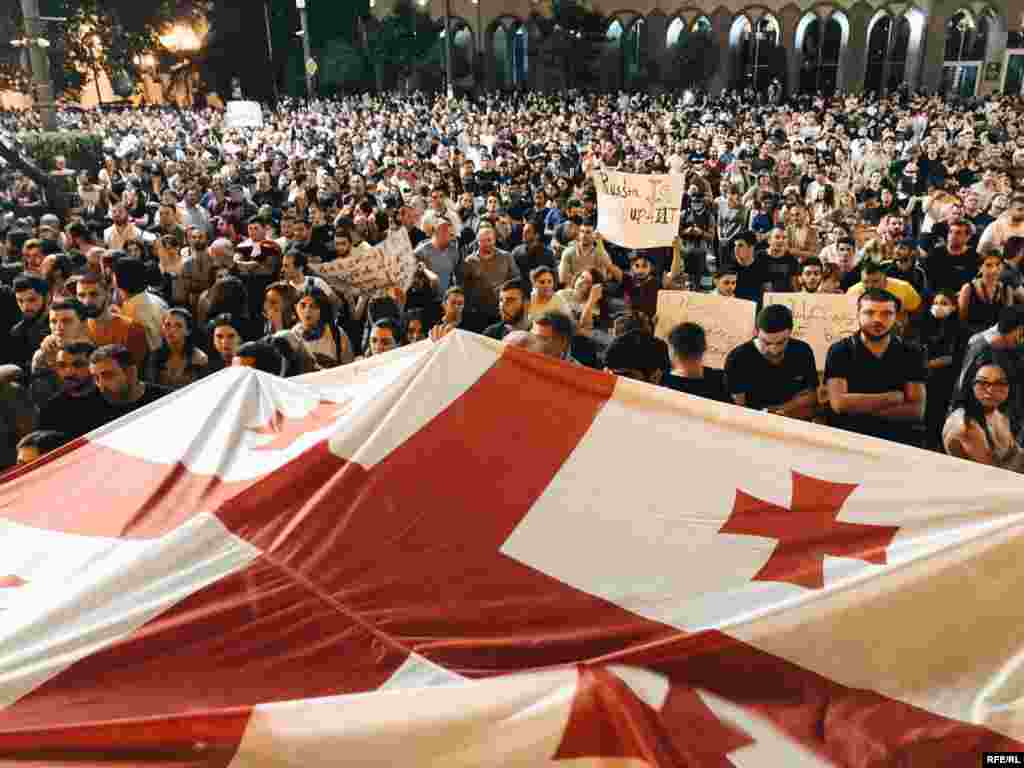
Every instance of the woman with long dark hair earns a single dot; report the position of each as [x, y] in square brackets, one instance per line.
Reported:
[323, 338]
[178, 362]
[978, 428]
[225, 333]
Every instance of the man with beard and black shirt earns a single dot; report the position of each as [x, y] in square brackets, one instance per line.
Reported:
[467, 175]
[751, 277]
[487, 177]
[782, 267]
[952, 265]
[774, 372]
[33, 296]
[512, 306]
[78, 408]
[118, 382]
[875, 380]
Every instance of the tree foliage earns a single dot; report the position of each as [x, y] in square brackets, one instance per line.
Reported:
[405, 41]
[98, 36]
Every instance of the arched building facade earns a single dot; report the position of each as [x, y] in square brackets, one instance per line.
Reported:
[963, 46]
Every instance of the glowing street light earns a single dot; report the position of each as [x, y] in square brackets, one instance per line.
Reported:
[30, 42]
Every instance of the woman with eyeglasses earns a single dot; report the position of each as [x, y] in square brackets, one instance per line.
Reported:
[977, 428]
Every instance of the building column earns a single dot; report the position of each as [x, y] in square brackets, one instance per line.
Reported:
[915, 48]
[935, 42]
[854, 56]
[789, 19]
[721, 23]
[655, 30]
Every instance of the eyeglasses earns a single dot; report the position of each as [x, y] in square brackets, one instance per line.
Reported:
[996, 386]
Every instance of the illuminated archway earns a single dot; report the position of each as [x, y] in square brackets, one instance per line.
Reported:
[821, 45]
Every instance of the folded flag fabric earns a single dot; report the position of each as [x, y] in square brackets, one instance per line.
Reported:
[462, 554]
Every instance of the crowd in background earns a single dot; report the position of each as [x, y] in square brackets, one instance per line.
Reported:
[195, 247]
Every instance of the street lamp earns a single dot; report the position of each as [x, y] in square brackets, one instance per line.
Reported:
[308, 65]
[759, 35]
[964, 25]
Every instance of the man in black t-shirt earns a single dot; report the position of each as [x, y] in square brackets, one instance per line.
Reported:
[876, 381]
[751, 276]
[688, 343]
[950, 266]
[78, 408]
[117, 379]
[782, 267]
[774, 372]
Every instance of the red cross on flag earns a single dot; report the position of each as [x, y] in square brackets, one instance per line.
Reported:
[465, 555]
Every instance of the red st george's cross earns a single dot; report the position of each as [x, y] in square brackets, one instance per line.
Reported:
[360, 567]
[808, 531]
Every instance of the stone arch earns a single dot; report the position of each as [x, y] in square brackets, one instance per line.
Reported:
[889, 44]
[499, 44]
[755, 36]
[676, 27]
[820, 44]
[464, 46]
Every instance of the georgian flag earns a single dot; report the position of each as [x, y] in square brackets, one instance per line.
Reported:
[465, 555]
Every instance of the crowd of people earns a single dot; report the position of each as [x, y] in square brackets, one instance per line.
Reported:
[197, 245]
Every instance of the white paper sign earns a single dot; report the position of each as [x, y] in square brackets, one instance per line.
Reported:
[636, 210]
[243, 114]
[389, 264]
[727, 322]
[820, 319]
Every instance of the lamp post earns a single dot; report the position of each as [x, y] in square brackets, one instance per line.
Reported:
[37, 46]
[964, 25]
[306, 55]
[448, 50]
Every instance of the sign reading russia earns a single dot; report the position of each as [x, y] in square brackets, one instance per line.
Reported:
[638, 211]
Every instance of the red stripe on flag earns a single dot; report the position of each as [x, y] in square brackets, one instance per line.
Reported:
[256, 636]
[201, 740]
[412, 544]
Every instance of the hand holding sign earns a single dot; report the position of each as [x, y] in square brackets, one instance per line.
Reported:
[639, 211]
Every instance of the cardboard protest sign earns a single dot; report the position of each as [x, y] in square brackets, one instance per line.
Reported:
[636, 210]
[727, 322]
[243, 114]
[368, 269]
[820, 319]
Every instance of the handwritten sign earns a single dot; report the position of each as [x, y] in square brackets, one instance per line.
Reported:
[372, 269]
[727, 322]
[243, 114]
[638, 211]
[820, 319]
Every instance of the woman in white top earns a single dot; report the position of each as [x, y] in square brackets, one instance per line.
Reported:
[977, 427]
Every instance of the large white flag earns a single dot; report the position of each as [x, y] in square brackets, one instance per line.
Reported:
[359, 567]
